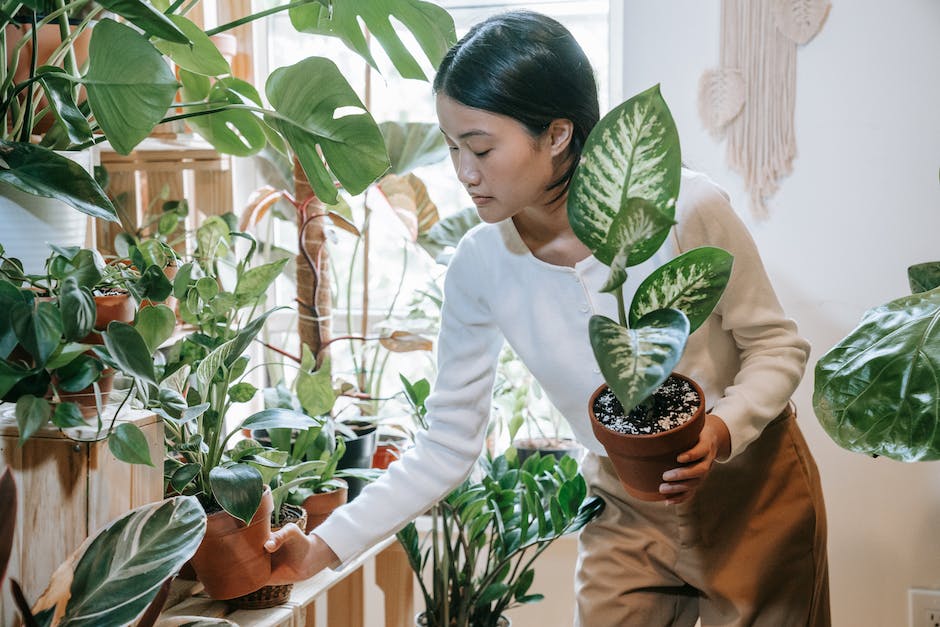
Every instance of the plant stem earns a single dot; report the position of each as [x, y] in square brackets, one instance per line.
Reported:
[253, 16]
[620, 308]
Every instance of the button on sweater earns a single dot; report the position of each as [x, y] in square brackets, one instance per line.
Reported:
[747, 356]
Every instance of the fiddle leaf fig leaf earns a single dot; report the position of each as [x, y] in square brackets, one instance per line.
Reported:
[636, 361]
[127, 105]
[326, 116]
[238, 489]
[124, 567]
[692, 283]
[432, 27]
[876, 391]
[924, 277]
[633, 152]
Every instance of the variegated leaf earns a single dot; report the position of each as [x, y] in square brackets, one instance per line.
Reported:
[923, 277]
[692, 283]
[635, 233]
[633, 152]
[124, 566]
[636, 361]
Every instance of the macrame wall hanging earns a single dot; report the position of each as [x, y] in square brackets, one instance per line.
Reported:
[750, 98]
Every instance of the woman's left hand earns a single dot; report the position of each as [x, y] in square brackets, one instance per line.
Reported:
[714, 442]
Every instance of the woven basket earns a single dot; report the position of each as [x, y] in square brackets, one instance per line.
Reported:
[269, 596]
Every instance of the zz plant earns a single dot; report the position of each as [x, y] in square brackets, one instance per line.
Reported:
[876, 391]
[622, 205]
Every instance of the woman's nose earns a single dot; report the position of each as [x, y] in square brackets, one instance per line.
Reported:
[467, 173]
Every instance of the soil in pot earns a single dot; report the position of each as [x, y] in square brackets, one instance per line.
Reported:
[231, 561]
[269, 596]
[319, 506]
[645, 444]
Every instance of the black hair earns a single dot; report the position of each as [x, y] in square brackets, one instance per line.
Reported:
[529, 67]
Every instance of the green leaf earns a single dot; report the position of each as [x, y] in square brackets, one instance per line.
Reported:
[155, 325]
[279, 419]
[238, 132]
[633, 152]
[238, 489]
[242, 392]
[148, 19]
[255, 282]
[492, 593]
[78, 310]
[447, 232]
[31, 413]
[152, 285]
[200, 56]
[692, 283]
[207, 287]
[10, 296]
[412, 145]
[41, 172]
[315, 389]
[211, 236]
[124, 567]
[129, 444]
[431, 25]
[307, 96]
[85, 266]
[183, 475]
[66, 353]
[68, 415]
[39, 330]
[636, 361]
[877, 391]
[129, 349]
[127, 105]
[59, 89]
[78, 374]
[924, 277]
[635, 234]
[226, 354]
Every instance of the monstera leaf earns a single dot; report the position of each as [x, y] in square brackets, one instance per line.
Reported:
[877, 391]
[633, 152]
[124, 567]
[412, 145]
[636, 361]
[127, 104]
[432, 27]
[326, 114]
[692, 283]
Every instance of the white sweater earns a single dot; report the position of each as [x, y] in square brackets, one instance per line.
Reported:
[747, 356]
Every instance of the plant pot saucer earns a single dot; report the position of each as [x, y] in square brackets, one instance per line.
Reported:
[641, 460]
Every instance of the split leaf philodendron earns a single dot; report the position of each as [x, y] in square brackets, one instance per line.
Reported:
[876, 391]
[622, 205]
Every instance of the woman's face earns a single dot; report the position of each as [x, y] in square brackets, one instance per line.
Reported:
[504, 168]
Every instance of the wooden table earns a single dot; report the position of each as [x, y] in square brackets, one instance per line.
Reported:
[343, 589]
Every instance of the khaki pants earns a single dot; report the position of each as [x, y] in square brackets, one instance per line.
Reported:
[748, 549]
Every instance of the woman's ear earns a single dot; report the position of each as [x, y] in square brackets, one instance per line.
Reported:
[560, 132]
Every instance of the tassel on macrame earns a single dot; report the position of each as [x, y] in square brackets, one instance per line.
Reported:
[750, 99]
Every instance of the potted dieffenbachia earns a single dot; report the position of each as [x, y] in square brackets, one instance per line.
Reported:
[622, 206]
[876, 391]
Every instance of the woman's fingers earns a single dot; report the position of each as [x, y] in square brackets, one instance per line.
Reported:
[277, 538]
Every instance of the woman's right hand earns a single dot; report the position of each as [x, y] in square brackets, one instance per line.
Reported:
[297, 556]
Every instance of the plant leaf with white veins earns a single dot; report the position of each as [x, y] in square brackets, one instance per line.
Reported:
[636, 361]
[124, 566]
[633, 152]
[692, 283]
[630, 233]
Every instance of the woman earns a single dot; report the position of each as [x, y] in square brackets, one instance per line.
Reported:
[740, 538]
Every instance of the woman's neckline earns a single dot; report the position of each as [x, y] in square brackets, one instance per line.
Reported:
[517, 237]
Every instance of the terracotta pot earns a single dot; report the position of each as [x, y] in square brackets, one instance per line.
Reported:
[270, 596]
[231, 561]
[120, 307]
[641, 460]
[85, 398]
[384, 455]
[320, 506]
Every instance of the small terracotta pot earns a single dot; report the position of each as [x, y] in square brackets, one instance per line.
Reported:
[270, 596]
[231, 561]
[384, 455]
[641, 460]
[120, 307]
[320, 506]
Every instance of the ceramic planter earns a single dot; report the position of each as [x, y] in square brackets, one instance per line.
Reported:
[231, 561]
[422, 621]
[270, 596]
[641, 460]
[319, 506]
[556, 447]
[359, 451]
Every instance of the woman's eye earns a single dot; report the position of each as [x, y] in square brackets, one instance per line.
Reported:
[482, 154]
[452, 148]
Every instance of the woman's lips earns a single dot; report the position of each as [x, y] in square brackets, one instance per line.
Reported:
[479, 201]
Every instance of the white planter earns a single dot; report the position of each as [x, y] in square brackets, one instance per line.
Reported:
[31, 223]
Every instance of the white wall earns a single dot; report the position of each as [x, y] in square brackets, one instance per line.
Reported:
[861, 205]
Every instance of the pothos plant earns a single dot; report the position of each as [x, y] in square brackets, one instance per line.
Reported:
[622, 205]
[876, 391]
